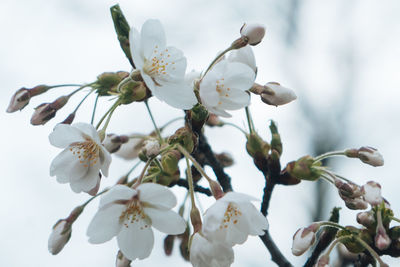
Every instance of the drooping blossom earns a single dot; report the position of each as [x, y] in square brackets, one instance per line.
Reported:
[204, 253]
[83, 156]
[129, 214]
[224, 87]
[59, 236]
[232, 218]
[162, 67]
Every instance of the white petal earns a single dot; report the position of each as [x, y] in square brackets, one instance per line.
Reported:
[244, 55]
[117, 192]
[257, 222]
[87, 182]
[235, 234]
[105, 224]
[166, 221]
[234, 99]
[174, 63]
[136, 240]
[64, 134]
[213, 217]
[179, 96]
[208, 93]
[237, 197]
[67, 166]
[157, 195]
[136, 49]
[148, 81]
[152, 37]
[89, 130]
[219, 112]
[239, 76]
[105, 160]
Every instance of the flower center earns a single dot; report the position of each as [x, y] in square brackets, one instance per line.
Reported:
[157, 65]
[133, 213]
[231, 215]
[87, 152]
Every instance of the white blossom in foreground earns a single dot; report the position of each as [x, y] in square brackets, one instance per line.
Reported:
[59, 236]
[232, 218]
[254, 31]
[82, 158]
[130, 213]
[372, 193]
[224, 87]
[244, 55]
[279, 95]
[162, 67]
[204, 253]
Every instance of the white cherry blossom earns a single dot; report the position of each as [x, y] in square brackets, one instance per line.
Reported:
[244, 55]
[162, 67]
[232, 218]
[83, 156]
[224, 87]
[129, 214]
[59, 236]
[204, 253]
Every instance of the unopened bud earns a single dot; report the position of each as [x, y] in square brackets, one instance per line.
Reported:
[277, 95]
[185, 137]
[151, 148]
[169, 244]
[121, 260]
[46, 111]
[59, 236]
[169, 161]
[372, 193]
[256, 147]
[305, 168]
[216, 189]
[225, 159]
[213, 120]
[382, 240]
[113, 142]
[303, 239]
[133, 91]
[323, 261]
[349, 190]
[254, 32]
[195, 218]
[366, 218]
[371, 156]
[19, 100]
[108, 82]
[355, 203]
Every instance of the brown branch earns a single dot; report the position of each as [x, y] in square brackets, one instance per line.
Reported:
[197, 188]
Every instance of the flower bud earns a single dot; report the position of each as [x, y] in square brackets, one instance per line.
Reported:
[323, 261]
[169, 241]
[59, 236]
[195, 218]
[108, 82]
[216, 189]
[305, 168]
[131, 149]
[277, 95]
[256, 147]
[46, 111]
[355, 203]
[366, 218]
[19, 100]
[254, 32]
[185, 137]
[349, 190]
[303, 239]
[371, 156]
[213, 120]
[113, 142]
[133, 91]
[382, 240]
[121, 260]
[225, 159]
[151, 148]
[372, 193]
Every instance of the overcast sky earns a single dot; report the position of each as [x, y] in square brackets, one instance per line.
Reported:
[72, 41]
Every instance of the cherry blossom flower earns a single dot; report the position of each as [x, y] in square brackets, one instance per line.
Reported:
[244, 55]
[224, 87]
[204, 253]
[162, 67]
[129, 213]
[83, 156]
[59, 236]
[232, 218]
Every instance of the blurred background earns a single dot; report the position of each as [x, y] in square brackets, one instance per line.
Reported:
[342, 59]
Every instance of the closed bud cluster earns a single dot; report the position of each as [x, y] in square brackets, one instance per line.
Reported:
[303, 239]
[305, 168]
[351, 194]
[59, 236]
[113, 142]
[108, 82]
[185, 137]
[254, 32]
[366, 154]
[46, 111]
[277, 95]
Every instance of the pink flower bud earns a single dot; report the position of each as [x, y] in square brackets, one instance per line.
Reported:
[254, 32]
[19, 100]
[355, 203]
[277, 95]
[303, 240]
[59, 236]
[46, 111]
[113, 142]
[382, 240]
[366, 218]
[213, 120]
[372, 193]
[371, 156]
[323, 261]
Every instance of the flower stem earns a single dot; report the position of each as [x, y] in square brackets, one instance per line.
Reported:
[80, 103]
[371, 251]
[235, 126]
[113, 107]
[77, 90]
[329, 154]
[94, 109]
[334, 243]
[170, 122]
[216, 59]
[153, 121]
[140, 179]
[395, 219]
[190, 181]
[93, 197]
[249, 120]
[332, 224]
